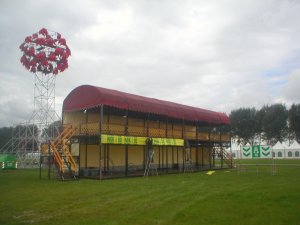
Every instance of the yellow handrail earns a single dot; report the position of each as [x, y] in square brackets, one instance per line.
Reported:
[57, 157]
[61, 140]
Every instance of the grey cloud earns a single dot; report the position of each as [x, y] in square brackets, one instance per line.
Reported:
[215, 55]
[290, 90]
[15, 111]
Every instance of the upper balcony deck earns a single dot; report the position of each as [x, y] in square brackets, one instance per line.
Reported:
[184, 132]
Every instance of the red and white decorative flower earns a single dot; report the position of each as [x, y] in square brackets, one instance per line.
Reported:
[45, 52]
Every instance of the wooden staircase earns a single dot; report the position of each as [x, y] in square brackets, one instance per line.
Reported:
[64, 161]
[227, 158]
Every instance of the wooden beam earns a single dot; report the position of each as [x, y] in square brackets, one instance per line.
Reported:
[100, 142]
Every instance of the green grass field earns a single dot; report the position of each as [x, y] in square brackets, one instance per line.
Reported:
[226, 197]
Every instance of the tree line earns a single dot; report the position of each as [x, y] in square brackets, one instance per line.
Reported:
[271, 123]
[6, 133]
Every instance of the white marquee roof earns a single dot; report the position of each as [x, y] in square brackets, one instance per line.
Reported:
[278, 146]
[295, 145]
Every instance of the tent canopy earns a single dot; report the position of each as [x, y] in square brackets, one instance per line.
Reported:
[295, 145]
[87, 96]
[278, 146]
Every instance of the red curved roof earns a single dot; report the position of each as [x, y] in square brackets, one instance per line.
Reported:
[87, 96]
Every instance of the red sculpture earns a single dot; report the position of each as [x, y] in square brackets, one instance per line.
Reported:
[45, 52]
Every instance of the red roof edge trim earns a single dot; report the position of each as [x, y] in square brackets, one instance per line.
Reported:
[87, 96]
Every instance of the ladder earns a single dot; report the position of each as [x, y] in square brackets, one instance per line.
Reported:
[187, 166]
[63, 158]
[149, 164]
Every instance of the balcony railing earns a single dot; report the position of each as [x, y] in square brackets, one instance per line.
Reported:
[119, 129]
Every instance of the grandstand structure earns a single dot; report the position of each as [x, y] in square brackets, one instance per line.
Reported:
[110, 134]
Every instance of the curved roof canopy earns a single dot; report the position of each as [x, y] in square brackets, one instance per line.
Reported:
[87, 96]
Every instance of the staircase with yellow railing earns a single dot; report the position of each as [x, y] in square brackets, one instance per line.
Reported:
[63, 158]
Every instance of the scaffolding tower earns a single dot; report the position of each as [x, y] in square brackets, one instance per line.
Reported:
[45, 54]
[27, 137]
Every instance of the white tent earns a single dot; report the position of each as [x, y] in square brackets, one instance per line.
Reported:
[278, 146]
[293, 150]
[279, 151]
[286, 143]
[234, 150]
[235, 146]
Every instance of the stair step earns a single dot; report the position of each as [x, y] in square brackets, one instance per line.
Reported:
[64, 160]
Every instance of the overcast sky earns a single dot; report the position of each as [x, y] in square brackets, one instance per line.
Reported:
[219, 55]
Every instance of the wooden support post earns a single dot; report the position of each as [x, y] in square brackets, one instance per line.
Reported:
[86, 155]
[202, 155]
[163, 157]
[126, 146]
[104, 153]
[100, 141]
[197, 146]
[182, 130]
[148, 125]
[172, 157]
[183, 161]
[86, 121]
[107, 159]
[126, 160]
[177, 158]
[167, 156]
[159, 157]
[166, 127]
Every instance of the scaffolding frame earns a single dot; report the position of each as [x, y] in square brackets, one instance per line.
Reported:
[27, 137]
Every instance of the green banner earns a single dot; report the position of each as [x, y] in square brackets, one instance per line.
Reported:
[131, 140]
[266, 154]
[265, 151]
[246, 149]
[246, 152]
[267, 148]
[255, 151]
